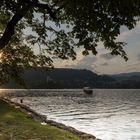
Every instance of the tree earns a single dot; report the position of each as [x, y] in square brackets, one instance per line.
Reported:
[57, 27]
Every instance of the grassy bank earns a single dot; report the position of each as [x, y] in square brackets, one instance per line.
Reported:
[15, 125]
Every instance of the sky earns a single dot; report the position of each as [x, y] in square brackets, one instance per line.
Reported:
[103, 62]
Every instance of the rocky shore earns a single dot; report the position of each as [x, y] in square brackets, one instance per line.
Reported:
[32, 114]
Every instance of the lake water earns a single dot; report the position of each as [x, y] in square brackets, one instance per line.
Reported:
[107, 114]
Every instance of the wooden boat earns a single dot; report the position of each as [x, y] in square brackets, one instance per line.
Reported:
[87, 90]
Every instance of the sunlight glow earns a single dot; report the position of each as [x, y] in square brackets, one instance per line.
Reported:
[0, 56]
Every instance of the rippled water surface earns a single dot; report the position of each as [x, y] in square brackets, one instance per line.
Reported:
[107, 114]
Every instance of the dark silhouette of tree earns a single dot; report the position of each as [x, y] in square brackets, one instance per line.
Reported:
[57, 27]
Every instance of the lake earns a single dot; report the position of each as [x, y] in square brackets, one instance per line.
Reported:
[112, 114]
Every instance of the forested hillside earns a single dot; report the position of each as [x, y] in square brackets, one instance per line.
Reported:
[62, 78]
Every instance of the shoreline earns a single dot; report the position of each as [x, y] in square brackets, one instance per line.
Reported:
[43, 119]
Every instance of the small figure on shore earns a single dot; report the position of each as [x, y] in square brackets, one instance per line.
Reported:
[21, 101]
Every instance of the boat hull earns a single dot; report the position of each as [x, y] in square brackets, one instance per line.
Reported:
[88, 91]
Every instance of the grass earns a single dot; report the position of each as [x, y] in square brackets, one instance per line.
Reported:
[15, 125]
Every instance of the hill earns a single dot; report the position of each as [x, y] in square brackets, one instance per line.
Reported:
[127, 76]
[126, 80]
[40, 78]
[62, 78]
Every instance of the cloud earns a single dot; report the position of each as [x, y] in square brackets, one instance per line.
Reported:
[87, 62]
[88, 59]
[138, 57]
[67, 63]
[135, 67]
[107, 56]
[137, 63]
[104, 64]
[129, 33]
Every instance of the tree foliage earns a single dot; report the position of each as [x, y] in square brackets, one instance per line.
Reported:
[57, 27]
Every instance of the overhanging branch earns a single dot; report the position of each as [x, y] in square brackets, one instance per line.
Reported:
[47, 7]
[50, 9]
[9, 31]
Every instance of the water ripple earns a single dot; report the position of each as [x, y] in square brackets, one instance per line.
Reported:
[108, 114]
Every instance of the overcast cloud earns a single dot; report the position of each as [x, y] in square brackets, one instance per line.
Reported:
[104, 62]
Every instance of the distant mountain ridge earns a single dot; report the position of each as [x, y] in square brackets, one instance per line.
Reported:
[62, 78]
[126, 80]
[127, 76]
[75, 78]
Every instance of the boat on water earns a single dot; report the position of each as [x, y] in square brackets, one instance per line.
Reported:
[87, 90]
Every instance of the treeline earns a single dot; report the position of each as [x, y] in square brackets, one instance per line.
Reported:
[74, 78]
[39, 78]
